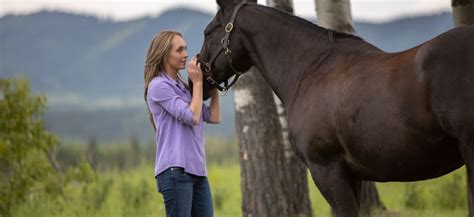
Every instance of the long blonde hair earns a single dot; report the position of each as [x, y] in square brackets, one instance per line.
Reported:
[155, 60]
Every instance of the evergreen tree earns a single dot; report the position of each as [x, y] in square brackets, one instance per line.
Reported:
[24, 144]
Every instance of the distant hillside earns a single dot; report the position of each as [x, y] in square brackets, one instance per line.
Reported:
[92, 69]
[72, 54]
[404, 33]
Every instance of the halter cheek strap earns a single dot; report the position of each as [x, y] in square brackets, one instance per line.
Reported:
[225, 42]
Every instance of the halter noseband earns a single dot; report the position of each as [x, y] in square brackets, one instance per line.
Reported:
[225, 42]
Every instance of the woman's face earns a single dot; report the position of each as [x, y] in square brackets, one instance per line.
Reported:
[176, 59]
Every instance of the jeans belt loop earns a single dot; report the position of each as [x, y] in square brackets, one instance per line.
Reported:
[177, 169]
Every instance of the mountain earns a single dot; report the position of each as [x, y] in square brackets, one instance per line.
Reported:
[77, 55]
[92, 69]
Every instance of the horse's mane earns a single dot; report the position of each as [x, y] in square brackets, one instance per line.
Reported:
[307, 24]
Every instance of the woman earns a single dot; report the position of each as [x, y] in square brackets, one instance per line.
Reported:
[176, 116]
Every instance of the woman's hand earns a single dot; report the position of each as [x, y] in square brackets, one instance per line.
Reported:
[194, 71]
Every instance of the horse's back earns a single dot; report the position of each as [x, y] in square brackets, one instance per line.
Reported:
[387, 110]
[435, 108]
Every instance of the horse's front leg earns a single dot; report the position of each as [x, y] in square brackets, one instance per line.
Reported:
[337, 186]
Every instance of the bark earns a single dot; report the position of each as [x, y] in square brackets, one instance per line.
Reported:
[284, 5]
[336, 15]
[271, 185]
[274, 180]
[463, 12]
[52, 160]
[294, 166]
[92, 155]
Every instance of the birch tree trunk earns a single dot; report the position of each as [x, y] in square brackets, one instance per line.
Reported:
[336, 15]
[270, 186]
[295, 169]
[274, 181]
[463, 14]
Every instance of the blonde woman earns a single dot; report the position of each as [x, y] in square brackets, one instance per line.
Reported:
[177, 117]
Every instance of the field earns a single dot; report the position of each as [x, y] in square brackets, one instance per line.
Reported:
[133, 192]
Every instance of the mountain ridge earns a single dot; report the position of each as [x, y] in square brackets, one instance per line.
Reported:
[88, 66]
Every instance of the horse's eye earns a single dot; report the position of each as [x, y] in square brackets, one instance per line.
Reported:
[209, 30]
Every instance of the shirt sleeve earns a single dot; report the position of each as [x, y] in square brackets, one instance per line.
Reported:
[164, 94]
[206, 113]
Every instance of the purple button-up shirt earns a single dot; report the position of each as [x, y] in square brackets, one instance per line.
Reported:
[179, 142]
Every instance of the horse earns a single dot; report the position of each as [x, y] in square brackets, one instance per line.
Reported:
[354, 111]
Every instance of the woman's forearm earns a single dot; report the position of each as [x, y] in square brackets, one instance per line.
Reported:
[215, 107]
[196, 102]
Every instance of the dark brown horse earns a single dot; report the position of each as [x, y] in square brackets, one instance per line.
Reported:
[355, 112]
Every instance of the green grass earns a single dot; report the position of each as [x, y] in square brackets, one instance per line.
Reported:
[437, 197]
[442, 197]
[117, 193]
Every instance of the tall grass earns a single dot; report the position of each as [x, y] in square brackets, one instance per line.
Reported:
[116, 193]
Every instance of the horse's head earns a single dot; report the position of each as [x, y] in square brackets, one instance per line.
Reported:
[223, 54]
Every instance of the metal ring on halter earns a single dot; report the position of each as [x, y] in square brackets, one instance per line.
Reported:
[229, 27]
[225, 42]
[210, 80]
[207, 67]
[224, 91]
[227, 51]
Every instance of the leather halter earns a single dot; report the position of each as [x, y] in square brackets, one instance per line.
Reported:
[225, 42]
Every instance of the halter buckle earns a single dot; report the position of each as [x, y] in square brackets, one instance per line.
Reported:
[224, 91]
[207, 67]
[227, 51]
[229, 27]
[210, 80]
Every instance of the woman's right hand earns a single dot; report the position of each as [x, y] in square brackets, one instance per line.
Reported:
[195, 74]
[194, 71]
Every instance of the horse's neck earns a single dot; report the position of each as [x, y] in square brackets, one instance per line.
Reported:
[284, 49]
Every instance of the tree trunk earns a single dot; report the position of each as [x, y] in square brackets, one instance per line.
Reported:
[292, 159]
[92, 155]
[294, 167]
[284, 5]
[336, 15]
[463, 12]
[271, 185]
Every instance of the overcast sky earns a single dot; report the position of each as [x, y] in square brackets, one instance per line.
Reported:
[366, 10]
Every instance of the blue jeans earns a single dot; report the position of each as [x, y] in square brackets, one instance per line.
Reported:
[184, 194]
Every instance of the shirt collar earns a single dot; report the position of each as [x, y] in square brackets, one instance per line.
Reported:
[176, 82]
